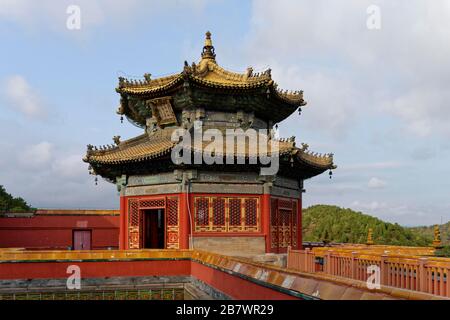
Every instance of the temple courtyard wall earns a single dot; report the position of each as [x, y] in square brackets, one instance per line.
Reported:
[55, 229]
[218, 276]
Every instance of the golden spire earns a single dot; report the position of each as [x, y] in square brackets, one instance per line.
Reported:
[437, 243]
[369, 237]
[208, 49]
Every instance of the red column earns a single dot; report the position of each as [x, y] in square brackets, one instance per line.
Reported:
[184, 222]
[122, 230]
[299, 224]
[265, 219]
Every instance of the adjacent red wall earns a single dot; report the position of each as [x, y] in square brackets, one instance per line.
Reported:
[231, 285]
[55, 231]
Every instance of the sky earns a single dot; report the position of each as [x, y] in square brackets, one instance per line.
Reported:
[375, 75]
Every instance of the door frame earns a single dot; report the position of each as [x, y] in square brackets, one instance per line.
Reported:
[143, 226]
[73, 237]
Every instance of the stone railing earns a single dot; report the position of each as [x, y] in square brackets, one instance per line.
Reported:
[417, 273]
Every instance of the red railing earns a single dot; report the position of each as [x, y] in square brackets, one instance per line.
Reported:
[429, 275]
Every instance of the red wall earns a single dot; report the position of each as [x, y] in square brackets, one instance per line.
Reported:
[55, 231]
[233, 286]
[98, 269]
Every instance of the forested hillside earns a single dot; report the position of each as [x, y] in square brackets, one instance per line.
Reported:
[10, 204]
[429, 232]
[334, 224]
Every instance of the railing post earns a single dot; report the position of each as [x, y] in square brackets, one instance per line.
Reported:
[422, 275]
[288, 260]
[353, 266]
[306, 259]
[383, 270]
[327, 262]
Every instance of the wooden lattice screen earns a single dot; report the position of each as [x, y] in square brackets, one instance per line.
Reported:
[135, 217]
[283, 223]
[227, 214]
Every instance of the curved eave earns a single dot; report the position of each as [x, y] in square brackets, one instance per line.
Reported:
[294, 100]
[96, 160]
[229, 86]
[312, 165]
[161, 90]
[150, 89]
[295, 161]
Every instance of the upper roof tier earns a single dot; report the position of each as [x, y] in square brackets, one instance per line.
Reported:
[201, 85]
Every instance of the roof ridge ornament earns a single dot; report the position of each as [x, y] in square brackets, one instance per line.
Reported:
[208, 49]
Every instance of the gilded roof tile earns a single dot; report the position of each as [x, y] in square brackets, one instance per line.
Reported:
[146, 147]
[207, 72]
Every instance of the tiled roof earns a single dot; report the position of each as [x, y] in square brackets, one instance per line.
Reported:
[208, 73]
[146, 147]
[143, 147]
[76, 212]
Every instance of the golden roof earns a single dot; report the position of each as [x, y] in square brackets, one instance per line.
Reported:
[143, 147]
[77, 212]
[159, 143]
[208, 73]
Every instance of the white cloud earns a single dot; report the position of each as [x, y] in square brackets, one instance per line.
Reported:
[372, 166]
[423, 153]
[38, 155]
[407, 214]
[50, 176]
[70, 167]
[376, 183]
[402, 70]
[51, 15]
[23, 98]
[368, 206]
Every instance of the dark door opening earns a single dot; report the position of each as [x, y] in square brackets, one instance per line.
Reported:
[153, 229]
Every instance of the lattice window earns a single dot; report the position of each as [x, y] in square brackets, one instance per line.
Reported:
[226, 214]
[133, 227]
[172, 211]
[152, 203]
[283, 223]
[273, 212]
[251, 212]
[294, 224]
[172, 218]
[218, 206]
[273, 223]
[133, 212]
[284, 204]
[202, 211]
[285, 217]
[235, 211]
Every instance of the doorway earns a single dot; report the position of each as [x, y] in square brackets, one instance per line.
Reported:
[82, 239]
[154, 229]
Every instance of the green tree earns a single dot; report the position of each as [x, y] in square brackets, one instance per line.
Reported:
[331, 223]
[10, 204]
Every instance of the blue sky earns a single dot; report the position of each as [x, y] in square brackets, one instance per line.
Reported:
[377, 99]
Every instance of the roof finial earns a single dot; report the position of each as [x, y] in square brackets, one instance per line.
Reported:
[369, 236]
[437, 242]
[208, 49]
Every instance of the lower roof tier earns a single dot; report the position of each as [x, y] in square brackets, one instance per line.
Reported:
[152, 153]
